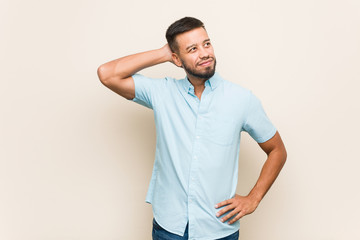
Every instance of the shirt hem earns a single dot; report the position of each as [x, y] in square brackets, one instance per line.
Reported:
[267, 136]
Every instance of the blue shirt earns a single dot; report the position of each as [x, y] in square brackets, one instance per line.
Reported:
[197, 149]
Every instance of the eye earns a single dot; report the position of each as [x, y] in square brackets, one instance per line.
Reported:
[193, 49]
[207, 44]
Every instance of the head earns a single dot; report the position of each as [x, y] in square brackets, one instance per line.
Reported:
[191, 47]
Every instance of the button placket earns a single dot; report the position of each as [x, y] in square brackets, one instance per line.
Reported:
[196, 158]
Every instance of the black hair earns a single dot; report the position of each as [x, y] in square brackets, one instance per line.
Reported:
[180, 26]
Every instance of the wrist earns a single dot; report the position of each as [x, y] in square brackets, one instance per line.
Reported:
[255, 197]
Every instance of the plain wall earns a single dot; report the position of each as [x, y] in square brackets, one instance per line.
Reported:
[76, 159]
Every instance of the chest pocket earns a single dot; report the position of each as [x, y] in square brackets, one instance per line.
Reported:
[222, 131]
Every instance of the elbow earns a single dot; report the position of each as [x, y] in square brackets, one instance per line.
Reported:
[101, 72]
[284, 156]
[281, 155]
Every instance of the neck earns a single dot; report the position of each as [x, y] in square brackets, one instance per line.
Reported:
[198, 83]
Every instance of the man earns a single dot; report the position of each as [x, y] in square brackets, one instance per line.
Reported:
[198, 124]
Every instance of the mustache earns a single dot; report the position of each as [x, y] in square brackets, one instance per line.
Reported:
[204, 59]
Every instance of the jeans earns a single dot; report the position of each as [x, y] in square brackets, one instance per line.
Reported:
[158, 233]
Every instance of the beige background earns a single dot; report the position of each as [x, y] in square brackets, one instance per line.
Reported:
[76, 158]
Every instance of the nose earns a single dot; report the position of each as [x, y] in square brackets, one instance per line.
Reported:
[203, 53]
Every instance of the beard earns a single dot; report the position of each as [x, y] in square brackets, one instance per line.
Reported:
[206, 74]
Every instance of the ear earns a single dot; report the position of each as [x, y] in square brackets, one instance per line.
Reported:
[176, 59]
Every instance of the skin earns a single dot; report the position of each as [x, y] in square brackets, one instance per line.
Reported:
[196, 53]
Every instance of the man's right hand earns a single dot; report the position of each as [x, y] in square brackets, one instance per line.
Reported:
[168, 53]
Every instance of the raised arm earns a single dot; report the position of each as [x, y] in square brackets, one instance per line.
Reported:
[116, 74]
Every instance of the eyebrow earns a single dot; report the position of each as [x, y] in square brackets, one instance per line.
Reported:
[193, 45]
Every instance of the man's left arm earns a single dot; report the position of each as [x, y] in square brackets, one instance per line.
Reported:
[243, 205]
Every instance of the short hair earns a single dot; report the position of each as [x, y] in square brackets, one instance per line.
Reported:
[180, 26]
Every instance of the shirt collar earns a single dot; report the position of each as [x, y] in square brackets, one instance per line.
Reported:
[213, 82]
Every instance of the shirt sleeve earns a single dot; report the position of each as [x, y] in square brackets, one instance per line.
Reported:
[257, 123]
[146, 90]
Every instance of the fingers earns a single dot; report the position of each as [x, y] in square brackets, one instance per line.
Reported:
[224, 210]
[236, 208]
[223, 203]
[237, 217]
[230, 215]
[229, 205]
[236, 214]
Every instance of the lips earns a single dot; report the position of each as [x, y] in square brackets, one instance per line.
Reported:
[206, 62]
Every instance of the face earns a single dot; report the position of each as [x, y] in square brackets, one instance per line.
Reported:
[195, 54]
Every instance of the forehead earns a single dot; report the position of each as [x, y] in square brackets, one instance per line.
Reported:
[195, 36]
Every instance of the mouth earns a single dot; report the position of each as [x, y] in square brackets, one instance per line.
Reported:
[206, 62]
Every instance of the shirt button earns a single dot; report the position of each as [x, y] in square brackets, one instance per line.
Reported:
[195, 157]
[197, 137]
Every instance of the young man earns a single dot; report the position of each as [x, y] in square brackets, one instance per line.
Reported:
[198, 124]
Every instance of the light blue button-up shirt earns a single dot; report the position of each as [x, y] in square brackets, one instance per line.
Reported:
[197, 150]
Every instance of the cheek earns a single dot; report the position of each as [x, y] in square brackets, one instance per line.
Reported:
[190, 61]
[211, 52]
[194, 59]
